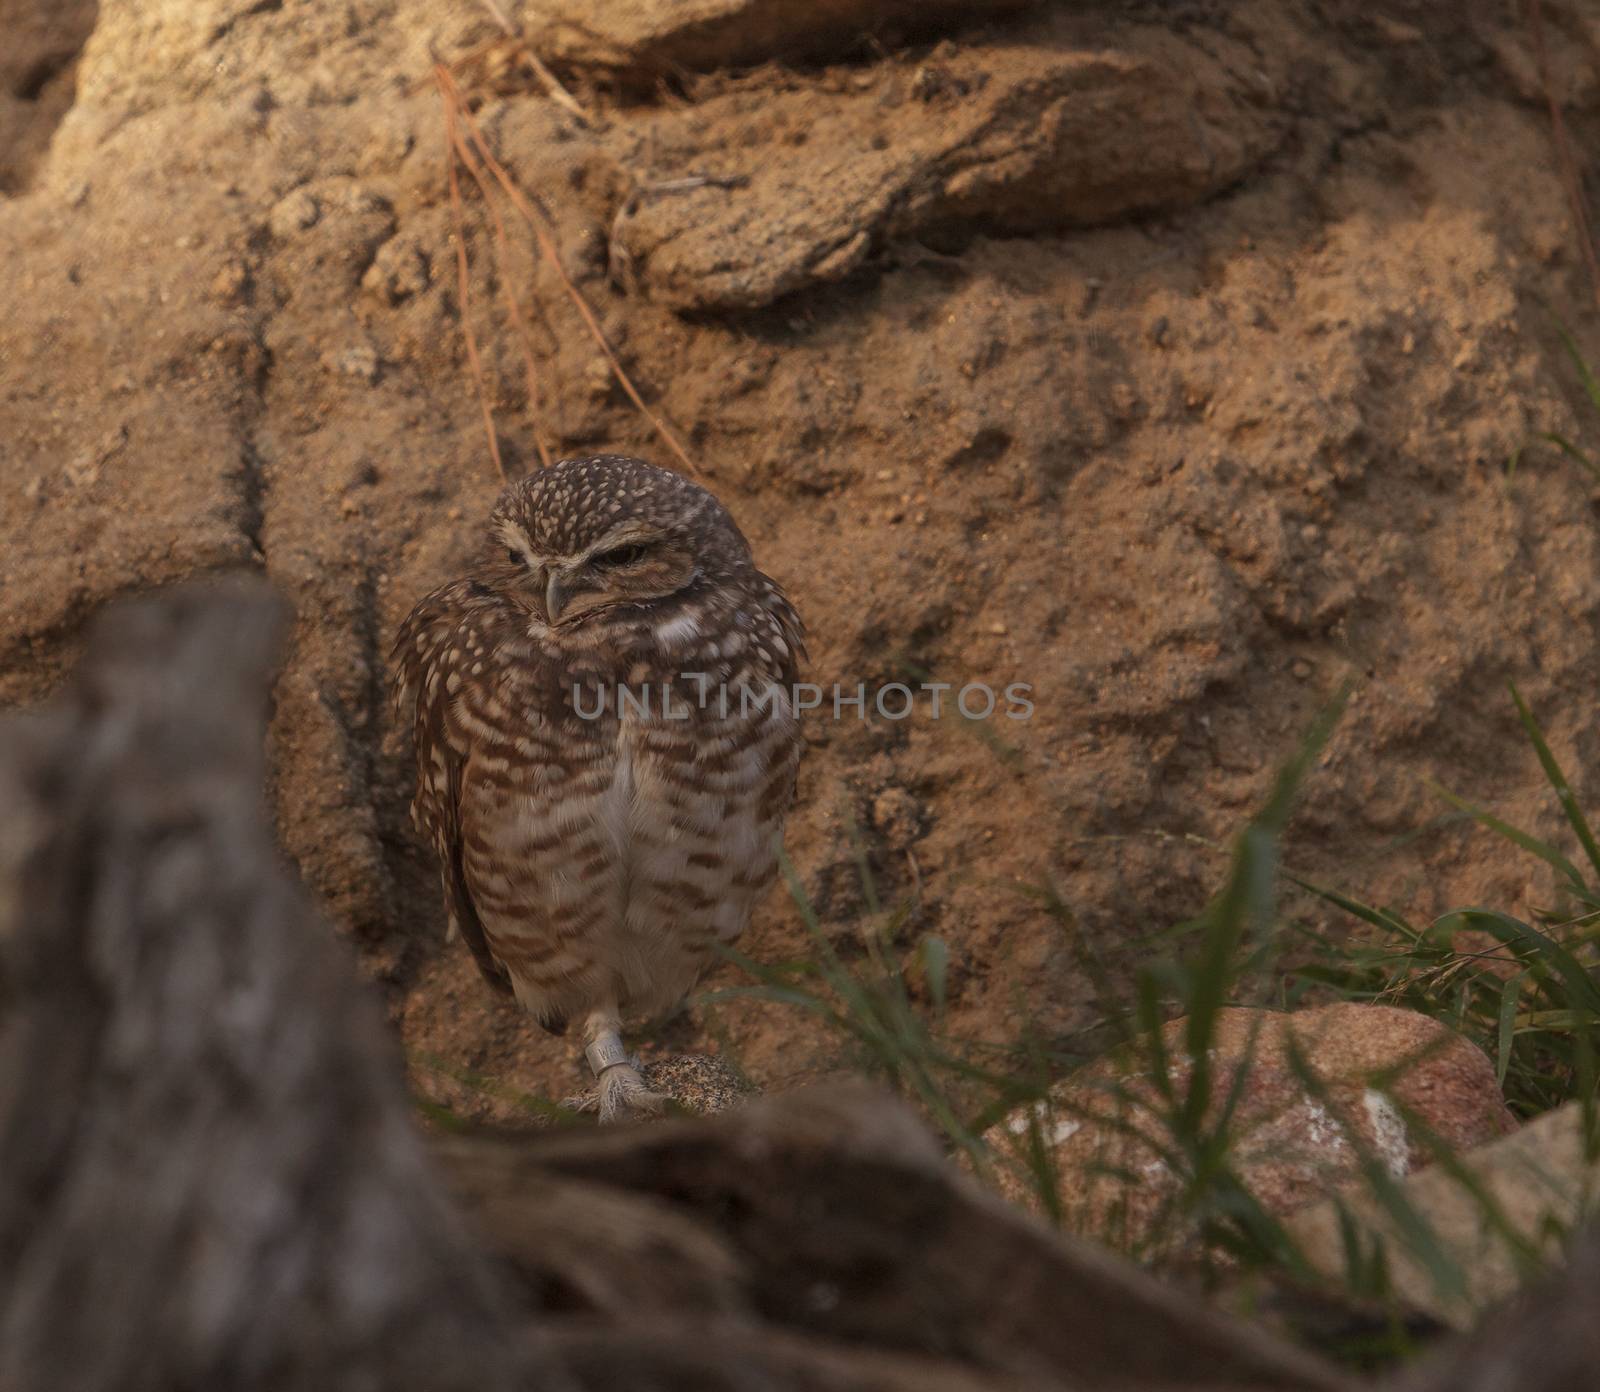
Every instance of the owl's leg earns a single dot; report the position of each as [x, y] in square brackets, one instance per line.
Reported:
[623, 1094]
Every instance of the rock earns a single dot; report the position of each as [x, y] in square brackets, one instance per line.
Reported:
[1547, 1340]
[1047, 135]
[331, 230]
[37, 63]
[399, 270]
[1290, 1147]
[1541, 1180]
[359, 361]
[646, 39]
[898, 817]
[700, 1084]
[293, 213]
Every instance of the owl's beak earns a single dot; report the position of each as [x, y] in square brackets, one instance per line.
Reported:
[554, 598]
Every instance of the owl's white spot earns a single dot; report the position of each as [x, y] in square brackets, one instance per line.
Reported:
[679, 630]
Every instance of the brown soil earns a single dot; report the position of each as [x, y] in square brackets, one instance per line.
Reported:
[1165, 357]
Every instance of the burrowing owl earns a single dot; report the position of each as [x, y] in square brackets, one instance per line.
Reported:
[606, 745]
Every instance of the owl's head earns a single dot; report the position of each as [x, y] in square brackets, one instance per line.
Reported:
[590, 534]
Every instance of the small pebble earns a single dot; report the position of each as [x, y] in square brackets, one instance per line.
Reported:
[228, 285]
[898, 817]
[360, 361]
[294, 213]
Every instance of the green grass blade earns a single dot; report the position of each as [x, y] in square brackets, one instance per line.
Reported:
[1591, 386]
[1546, 852]
[1571, 451]
[1558, 780]
[1508, 1019]
[1533, 947]
[1378, 918]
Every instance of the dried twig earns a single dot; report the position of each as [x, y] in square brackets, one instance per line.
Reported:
[1565, 159]
[538, 220]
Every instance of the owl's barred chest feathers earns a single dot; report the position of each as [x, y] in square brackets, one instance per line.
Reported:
[605, 794]
[646, 840]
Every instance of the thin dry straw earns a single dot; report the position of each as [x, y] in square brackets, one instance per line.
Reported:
[538, 222]
[547, 79]
[464, 279]
[524, 334]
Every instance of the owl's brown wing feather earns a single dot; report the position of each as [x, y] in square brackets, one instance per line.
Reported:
[458, 899]
[787, 661]
[790, 627]
[424, 650]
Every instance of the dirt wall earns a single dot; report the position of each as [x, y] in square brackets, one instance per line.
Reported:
[1165, 357]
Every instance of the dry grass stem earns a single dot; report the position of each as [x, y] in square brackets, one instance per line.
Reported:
[538, 222]
[464, 280]
[518, 318]
[547, 79]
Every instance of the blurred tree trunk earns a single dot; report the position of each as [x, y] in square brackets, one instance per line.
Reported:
[208, 1177]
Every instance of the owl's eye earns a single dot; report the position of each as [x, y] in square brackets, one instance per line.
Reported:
[514, 556]
[620, 556]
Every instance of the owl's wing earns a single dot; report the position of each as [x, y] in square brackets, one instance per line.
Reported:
[784, 658]
[790, 629]
[421, 662]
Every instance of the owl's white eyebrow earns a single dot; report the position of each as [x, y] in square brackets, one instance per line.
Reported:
[514, 537]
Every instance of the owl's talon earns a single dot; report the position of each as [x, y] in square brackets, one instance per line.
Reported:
[581, 1103]
[624, 1096]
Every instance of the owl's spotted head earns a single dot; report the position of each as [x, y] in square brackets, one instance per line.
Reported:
[591, 534]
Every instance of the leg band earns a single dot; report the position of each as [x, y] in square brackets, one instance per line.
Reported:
[605, 1052]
